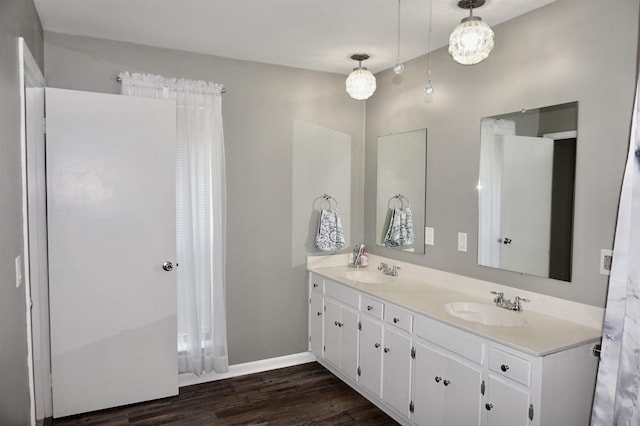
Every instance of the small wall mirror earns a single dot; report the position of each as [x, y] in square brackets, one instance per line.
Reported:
[401, 186]
[526, 189]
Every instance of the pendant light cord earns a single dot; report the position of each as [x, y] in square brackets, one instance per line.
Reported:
[398, 51]
[429, 43]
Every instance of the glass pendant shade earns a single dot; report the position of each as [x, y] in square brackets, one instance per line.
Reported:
[361, 83]
[471, 41]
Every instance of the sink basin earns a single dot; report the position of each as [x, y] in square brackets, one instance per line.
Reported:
[367, 277]
[485, 314]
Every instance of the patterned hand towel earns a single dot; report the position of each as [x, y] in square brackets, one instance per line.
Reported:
[400, 232]
[330, 236]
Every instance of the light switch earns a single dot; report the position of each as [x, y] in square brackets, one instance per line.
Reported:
[606, 259]
[462, 241]
[18, 262]
[428, 236]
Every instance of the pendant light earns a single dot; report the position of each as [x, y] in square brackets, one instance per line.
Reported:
[361, 83]
[472, 40]
[398, 68]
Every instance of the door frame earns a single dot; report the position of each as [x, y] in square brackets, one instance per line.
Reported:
[35, 256]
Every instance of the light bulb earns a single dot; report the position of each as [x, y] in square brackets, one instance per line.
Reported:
[429, 89]
[398, 68]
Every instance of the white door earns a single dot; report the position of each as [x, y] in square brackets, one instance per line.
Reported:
[315, 323]
[370, 355]
[527, 172]
[506, 404]
[111, 224]
[428, 391]
[396, 371]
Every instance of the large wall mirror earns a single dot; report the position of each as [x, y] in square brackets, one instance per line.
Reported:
[525, 191]
[401, 188]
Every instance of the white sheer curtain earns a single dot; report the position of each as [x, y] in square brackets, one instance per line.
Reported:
[490, 188]
[200, 216]
[617, 400]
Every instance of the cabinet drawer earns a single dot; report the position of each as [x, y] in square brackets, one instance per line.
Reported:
[371, 306]
[399, 318]
[344, 294]
[317, 283]
[509, 365]
[450, 338]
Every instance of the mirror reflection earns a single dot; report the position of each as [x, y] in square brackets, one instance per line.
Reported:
[401, 180]
[525, 191]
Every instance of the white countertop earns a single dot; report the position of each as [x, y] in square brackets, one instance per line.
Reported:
[552, 324]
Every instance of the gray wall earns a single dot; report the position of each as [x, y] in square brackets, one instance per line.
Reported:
[18, 18]
[266, 296]
[571, 50]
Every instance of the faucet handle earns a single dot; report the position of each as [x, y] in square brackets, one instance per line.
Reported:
[382, 266]
[499, 293]
[521, 299]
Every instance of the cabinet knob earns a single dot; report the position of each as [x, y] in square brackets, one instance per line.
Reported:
[396, 320]
[377, 345]
[387, 350]
[335, 323]
[446, 382]
[340, 324]
[488, 406]
[315, 285]
[369, 307]
[504, 367]
[438, 378]
[319, 313]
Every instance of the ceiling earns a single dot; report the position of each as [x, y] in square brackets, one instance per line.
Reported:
[311, 34]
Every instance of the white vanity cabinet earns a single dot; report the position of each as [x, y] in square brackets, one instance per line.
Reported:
[447, 375]
[341, 328]
[552, 390]
[423, 371]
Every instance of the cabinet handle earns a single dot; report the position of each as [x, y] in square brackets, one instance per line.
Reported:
[369, 307]
[396, 320]
[315, 285]
[504, 367]
[387, 350]
[446, 382]
[438, 378]
[488, 406]
[336, 323]
[340, 324]
[319, 313]
[377, 345]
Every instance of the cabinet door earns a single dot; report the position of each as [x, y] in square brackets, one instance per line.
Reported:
[428, 392]
[506, 404]
[463, 396]
[396, 371]
[316, 315]
[349, 343]
[370, 355]
[332, 332]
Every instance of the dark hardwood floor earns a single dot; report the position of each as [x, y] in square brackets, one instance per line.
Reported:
[306, 394]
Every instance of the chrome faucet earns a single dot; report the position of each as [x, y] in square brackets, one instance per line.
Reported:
[389, 270]
[501, 302]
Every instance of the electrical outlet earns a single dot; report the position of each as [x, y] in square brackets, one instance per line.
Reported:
[606, 259]
[462, 241]
[428, 236]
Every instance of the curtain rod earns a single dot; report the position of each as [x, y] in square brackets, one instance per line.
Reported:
[119, 80]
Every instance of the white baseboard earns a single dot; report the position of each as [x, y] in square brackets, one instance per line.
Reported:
[187, 379]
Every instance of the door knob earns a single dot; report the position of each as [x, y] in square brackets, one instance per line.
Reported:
[167, 266]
